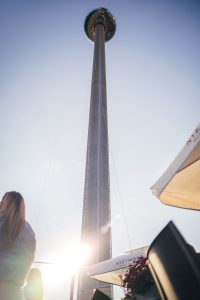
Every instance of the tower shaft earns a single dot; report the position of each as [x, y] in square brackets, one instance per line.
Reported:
[96, 230]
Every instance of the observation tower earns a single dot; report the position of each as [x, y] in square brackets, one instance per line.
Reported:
[96, 217]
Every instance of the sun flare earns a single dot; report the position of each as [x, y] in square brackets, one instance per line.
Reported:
[63, 263]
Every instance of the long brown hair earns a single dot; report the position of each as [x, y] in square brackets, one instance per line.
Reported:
[13, 209]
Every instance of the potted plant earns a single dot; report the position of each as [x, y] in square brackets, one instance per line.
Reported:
[138, 282]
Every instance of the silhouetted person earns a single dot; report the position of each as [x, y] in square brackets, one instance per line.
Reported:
[34, 289]
[17, 246]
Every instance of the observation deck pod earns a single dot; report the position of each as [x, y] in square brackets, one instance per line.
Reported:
[100, 15]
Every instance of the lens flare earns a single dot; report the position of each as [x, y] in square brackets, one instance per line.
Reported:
[63, 263]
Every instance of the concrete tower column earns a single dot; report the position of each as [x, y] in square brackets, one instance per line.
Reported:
[96, 230]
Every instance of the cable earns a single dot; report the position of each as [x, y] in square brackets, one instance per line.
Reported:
[121, 202]
[48, 170]
[120, 197]
[46, 178]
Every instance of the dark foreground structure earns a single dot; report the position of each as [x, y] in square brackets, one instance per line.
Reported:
[96, 232]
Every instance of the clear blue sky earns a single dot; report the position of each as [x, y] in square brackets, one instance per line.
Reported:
[153, 74]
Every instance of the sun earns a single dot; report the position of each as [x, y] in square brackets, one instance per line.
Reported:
[61, 264]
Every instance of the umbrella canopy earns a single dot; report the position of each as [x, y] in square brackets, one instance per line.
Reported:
[180, 184]
[114, 270]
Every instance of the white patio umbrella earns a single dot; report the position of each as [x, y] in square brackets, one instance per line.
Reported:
[180, 184]
[113, 270]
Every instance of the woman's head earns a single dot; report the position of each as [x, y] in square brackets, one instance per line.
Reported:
[13, 209]
[12, 203]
